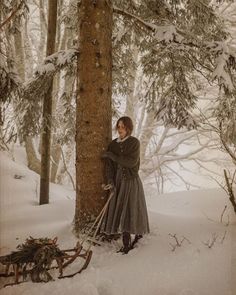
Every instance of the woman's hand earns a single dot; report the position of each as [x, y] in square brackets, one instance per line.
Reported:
[109, 186]
[109, 155]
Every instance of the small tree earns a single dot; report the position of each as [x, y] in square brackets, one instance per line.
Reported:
[47, 109]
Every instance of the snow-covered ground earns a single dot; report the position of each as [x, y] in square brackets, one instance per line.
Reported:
[152, 268]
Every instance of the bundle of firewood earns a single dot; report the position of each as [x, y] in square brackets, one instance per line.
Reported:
[35, 258]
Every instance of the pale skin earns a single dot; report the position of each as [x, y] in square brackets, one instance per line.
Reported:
[121, 130]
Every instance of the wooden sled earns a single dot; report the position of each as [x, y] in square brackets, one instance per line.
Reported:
[36, 256]
[38, 268]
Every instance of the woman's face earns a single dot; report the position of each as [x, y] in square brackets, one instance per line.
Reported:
[121, 129]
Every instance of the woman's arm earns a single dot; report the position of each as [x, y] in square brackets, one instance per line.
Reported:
[128, 160]
[110, 169]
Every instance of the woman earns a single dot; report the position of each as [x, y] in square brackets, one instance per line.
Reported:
[127, 212]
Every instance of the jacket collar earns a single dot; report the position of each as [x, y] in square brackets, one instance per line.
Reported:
[121, 140]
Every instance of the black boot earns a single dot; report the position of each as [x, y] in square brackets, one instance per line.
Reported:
[126, 242]
[135, 241]
[126, 238]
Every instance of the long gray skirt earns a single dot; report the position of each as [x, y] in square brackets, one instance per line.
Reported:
[127, 211]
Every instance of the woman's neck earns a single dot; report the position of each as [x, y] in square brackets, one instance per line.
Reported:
[120, 139]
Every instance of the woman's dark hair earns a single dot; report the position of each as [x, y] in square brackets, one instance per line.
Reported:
[127, 123]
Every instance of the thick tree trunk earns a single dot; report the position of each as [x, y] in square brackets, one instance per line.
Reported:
[93, 122]
[47, 109]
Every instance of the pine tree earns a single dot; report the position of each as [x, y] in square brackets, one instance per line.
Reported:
[93, 115]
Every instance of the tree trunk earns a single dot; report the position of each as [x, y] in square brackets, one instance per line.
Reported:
[19, 53]
[69, 149]
[146, 132]
[131, 100]
[56, 156]
[47, 109]
[93, 121]
[43, 30]
[56, 147]
[33, 162]
[28, 53]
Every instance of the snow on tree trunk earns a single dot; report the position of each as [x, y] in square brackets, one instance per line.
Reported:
[19, 53]
[55, 146]
[33, 162]
[47, 109]
[93, 124]
[56, 156]
[43, 32]
[131, 99]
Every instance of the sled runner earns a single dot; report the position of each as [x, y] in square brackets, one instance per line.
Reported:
[37, 257]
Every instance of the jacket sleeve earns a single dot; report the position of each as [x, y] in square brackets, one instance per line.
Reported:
[131, 158]
[110, 167]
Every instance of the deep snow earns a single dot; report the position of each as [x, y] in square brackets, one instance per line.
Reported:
[152, 268]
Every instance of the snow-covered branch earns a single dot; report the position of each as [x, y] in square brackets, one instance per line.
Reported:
[13, 13]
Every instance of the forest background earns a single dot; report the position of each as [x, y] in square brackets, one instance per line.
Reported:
[172, 65]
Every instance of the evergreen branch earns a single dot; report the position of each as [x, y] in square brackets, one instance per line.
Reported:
[199, 71]
[132, 16]
[11, 15]
[150, 27]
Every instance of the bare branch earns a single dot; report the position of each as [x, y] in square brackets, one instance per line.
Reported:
[64, 162]
[223, 238]
[210, 243]
[177, 242]
[230, 191]
[222, 214]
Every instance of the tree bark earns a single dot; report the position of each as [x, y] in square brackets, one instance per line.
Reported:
[93, 115]
[47, 109]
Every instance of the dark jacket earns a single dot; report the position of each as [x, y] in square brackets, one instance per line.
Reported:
[126, 156]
